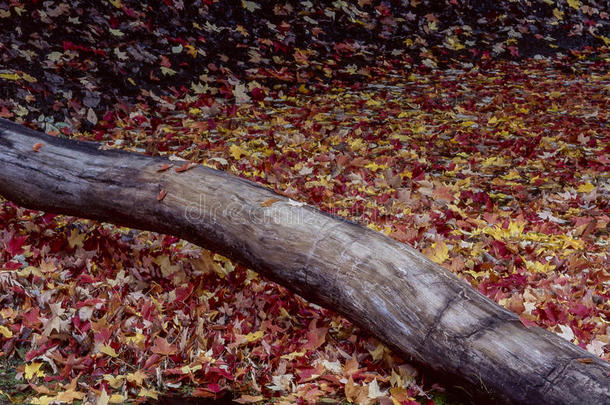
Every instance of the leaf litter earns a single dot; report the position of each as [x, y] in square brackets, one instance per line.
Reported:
[483, 144]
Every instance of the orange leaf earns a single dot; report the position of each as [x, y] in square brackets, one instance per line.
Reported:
[164, 167]
[185, 167]
[269, 202]
[37, 146]
[161, 195]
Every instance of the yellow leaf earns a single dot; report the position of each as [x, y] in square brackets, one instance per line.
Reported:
[374, 166]
[574, 4]
[303, 89]
[136, 339]
[109, 351]
[293, 355]
[512, 175]
[191, 50]
[114, 382]
[116, 3]
[438, 252]
[6, 332]
[377, 354]
[145, 392]
[455, 43]
[492, 120]
[558, 14]
[28, 78]
[515, 229]
[138, 377]
[356, 144]
[237, 151]
[32, 370]
[117, 399]
[585, 188]
[251, 337]
[9, 76]
[43, 400]
[191, 369]
[537, 267]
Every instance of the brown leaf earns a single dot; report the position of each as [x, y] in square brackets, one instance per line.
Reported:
[269, 202]
[351, 390]
[585, 360]
[249, 399]
[161, 195]
[359, 162]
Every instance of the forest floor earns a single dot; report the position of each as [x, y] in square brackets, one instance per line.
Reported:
[495, 168]
[498, 174]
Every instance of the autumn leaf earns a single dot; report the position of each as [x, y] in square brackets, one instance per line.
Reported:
[185, 167]
[37, 146]
[42, 400]
[237, 151]
[438, 157]
[137, 377]
[114, 381]
[162, 347]
[438, 252]
[69, 396]
[249, 399]
[574, 4]
[351, 390]
[148, 393]
[106, 349]
[33, 370]
[164, 167]
[315, 336]
[6, 332]
[585, 188]
[250, 5]
[76, 239]
[269, 202]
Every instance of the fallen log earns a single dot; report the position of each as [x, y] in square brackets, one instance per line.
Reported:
[415, 306]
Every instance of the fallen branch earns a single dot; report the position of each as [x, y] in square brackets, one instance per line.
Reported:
[414, 305]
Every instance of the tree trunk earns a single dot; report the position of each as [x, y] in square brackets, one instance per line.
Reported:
[415, 306]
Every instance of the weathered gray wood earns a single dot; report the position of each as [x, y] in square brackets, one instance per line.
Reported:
[415, 306]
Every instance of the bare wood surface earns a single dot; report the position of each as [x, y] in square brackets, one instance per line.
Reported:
[412, 304]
